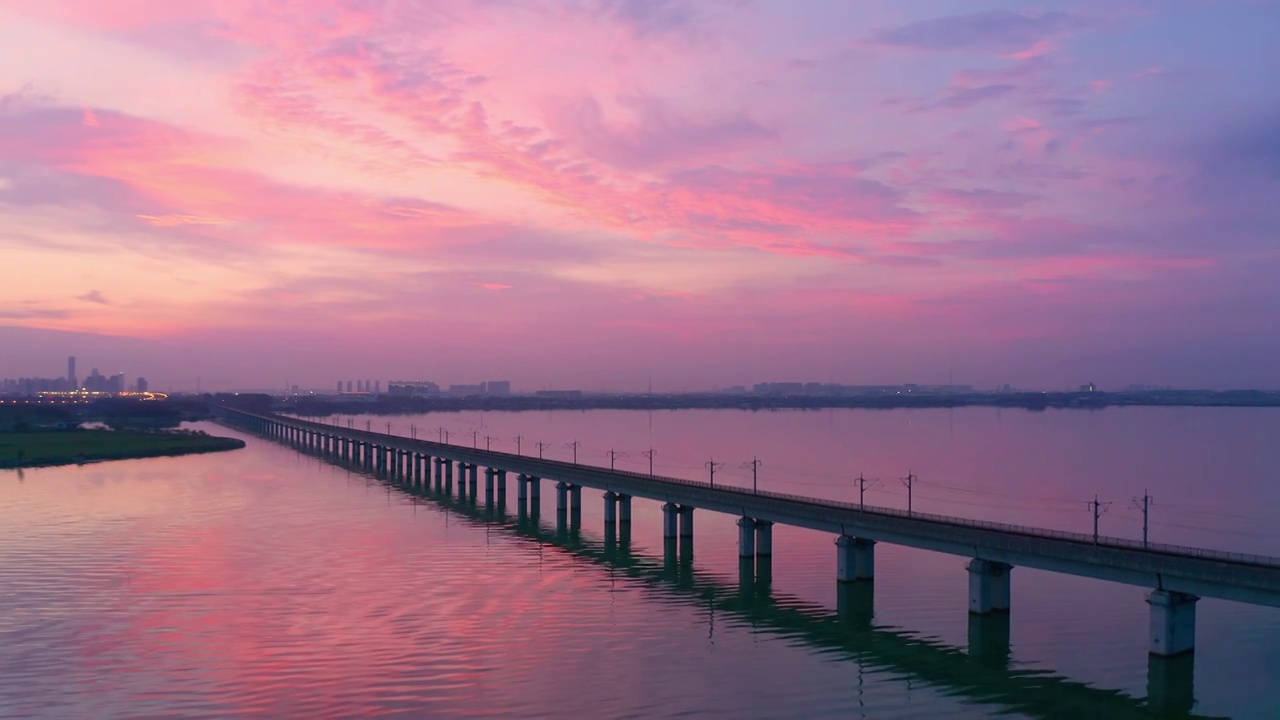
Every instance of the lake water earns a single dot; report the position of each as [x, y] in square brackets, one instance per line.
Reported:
[267, 583]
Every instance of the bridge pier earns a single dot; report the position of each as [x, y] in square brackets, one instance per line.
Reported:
[439, 474]
[764, 555]
[686, 521]
[624, 509]
[501, 476]
[488, 487]
[686, 534]
[670, 515]
[1173, 622]
[575, 506]
[855, 559]
[988, 586]
[522, 495]
[610, 508]
[747, 539]
[473, 483]
[764, 538]
[562, 507]
[535, 498]
[448, 477]
[562, 498]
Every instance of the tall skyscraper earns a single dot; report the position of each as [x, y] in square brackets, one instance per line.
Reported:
[71, 373]
[142, 384]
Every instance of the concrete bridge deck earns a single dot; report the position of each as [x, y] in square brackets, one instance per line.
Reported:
[1177, 575]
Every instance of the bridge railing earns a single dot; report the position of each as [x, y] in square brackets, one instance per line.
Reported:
[813, 507]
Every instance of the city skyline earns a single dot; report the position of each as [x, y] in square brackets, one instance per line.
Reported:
[421, 386]
[687, 195]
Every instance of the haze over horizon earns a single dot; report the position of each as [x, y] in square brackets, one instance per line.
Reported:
[589, 194]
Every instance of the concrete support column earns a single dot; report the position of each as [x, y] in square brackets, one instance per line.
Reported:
[502, 486]
[488, 486]
[562, 497]
[448, 477]
[988, 586]
[473, 484]
[575, 507]
[462, 481]
[610, 508]
[764, 537]
[522, 493]
[624, 509]
[1173, 622]
[535, 496]
[746, 538]
[686, 521]
[670, 514]
[855, 559]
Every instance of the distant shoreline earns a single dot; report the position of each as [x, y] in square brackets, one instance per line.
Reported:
[73, 447]
[388, 404]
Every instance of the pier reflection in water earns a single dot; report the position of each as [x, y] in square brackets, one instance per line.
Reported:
[980, 672]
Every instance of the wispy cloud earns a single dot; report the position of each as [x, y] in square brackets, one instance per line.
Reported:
[1000, 31]
[93, 296]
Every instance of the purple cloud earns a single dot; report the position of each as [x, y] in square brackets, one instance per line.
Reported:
[993, 30]
[959, 98]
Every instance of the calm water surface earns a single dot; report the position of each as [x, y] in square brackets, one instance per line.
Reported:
[267, 583]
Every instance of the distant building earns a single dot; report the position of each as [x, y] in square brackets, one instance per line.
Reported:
[561, 394]
[466, 390]
[1089, 388]
[412, 388]
[348, 386]
[780, 388]
[142, 384]
[497, 388]
[71, 372]
[96, 382]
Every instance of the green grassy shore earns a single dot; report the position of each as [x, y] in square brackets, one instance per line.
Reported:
[66, 447]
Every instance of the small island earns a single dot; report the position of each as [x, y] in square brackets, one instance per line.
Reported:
[45, 447]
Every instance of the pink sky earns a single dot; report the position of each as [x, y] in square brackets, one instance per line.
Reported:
[593, 193]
